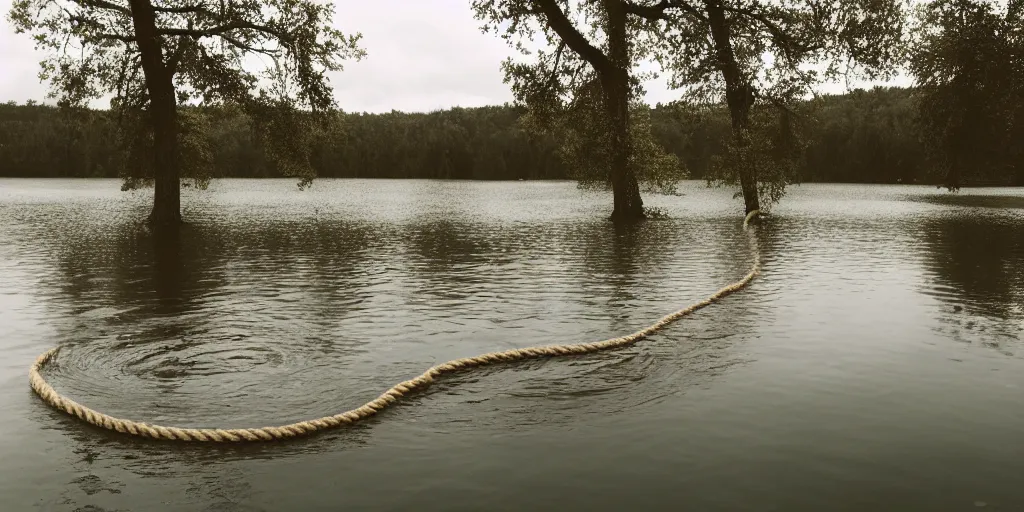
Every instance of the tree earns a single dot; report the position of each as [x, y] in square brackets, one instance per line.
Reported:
[584, 90]
[154, 55]
[864, 136]
[968, 66]
[762, 55]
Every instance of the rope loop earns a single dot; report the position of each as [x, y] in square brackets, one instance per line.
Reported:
[385, 400]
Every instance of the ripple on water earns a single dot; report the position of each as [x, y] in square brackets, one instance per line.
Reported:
[259, 318]
[275, 306]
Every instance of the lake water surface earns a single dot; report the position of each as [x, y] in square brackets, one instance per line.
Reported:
[876, 364]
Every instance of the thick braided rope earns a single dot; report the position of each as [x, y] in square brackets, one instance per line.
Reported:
[63, 403]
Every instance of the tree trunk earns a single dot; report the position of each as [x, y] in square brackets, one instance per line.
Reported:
[615, 85]
[163, 111]
[953, 173]
[739, 95]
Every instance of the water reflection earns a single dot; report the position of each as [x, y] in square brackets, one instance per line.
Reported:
[186, 316]
[169, 271]
[974, 264]
[622, 255]
[984, 199]
[263, 310]
[199, 333]
[104, 465]
[228, 323]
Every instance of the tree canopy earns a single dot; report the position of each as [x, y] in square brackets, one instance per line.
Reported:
[267, 57]
[758, 57]
[580, 84]
[93, 49]
[249, 96]
[865, 136]
[969, 66]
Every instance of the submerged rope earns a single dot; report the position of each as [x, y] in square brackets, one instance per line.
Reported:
[63, 403]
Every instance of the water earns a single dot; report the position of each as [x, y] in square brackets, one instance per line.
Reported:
[877, 363]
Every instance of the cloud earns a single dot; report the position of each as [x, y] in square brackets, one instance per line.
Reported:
[421, 55]
[19, 63]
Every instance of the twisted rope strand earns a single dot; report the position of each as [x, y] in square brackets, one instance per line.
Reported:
[63, 403]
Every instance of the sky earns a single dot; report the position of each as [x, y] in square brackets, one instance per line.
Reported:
[422, 55]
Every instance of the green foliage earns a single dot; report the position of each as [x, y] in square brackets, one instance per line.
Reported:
[585, 149]
[866, 136]
[479, 143]
[772, 152]
[657, 169]
[563, 92]
[93, 52]
[37, 140]
[136, 143]
[781, 49]
[862, 137]
[969, 66]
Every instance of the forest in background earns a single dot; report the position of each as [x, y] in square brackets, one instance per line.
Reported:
[865, 136]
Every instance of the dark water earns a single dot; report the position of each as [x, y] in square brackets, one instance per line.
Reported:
[877, 364]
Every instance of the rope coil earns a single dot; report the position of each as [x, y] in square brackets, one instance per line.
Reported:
[302, 428]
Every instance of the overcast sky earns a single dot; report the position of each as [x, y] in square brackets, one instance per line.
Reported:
[421, 55]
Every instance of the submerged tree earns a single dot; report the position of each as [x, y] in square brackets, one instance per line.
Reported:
[153, 56]
[761, 55]
[969, 70]
[581, 85]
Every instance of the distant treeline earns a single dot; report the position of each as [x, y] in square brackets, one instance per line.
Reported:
[864, 137]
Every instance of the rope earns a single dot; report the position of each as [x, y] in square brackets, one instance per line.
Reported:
[389, 397]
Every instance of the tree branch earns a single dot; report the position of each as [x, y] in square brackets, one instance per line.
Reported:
[574, 80]
[197, 9]
[247, 47]
[85, 22]
[572, 37]
[658, 11]
[172, 61]
[649, 12]
[116, 37]
[785, 42]
[554, 69]
[104, 4]
[222, 29]
[779, 104]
